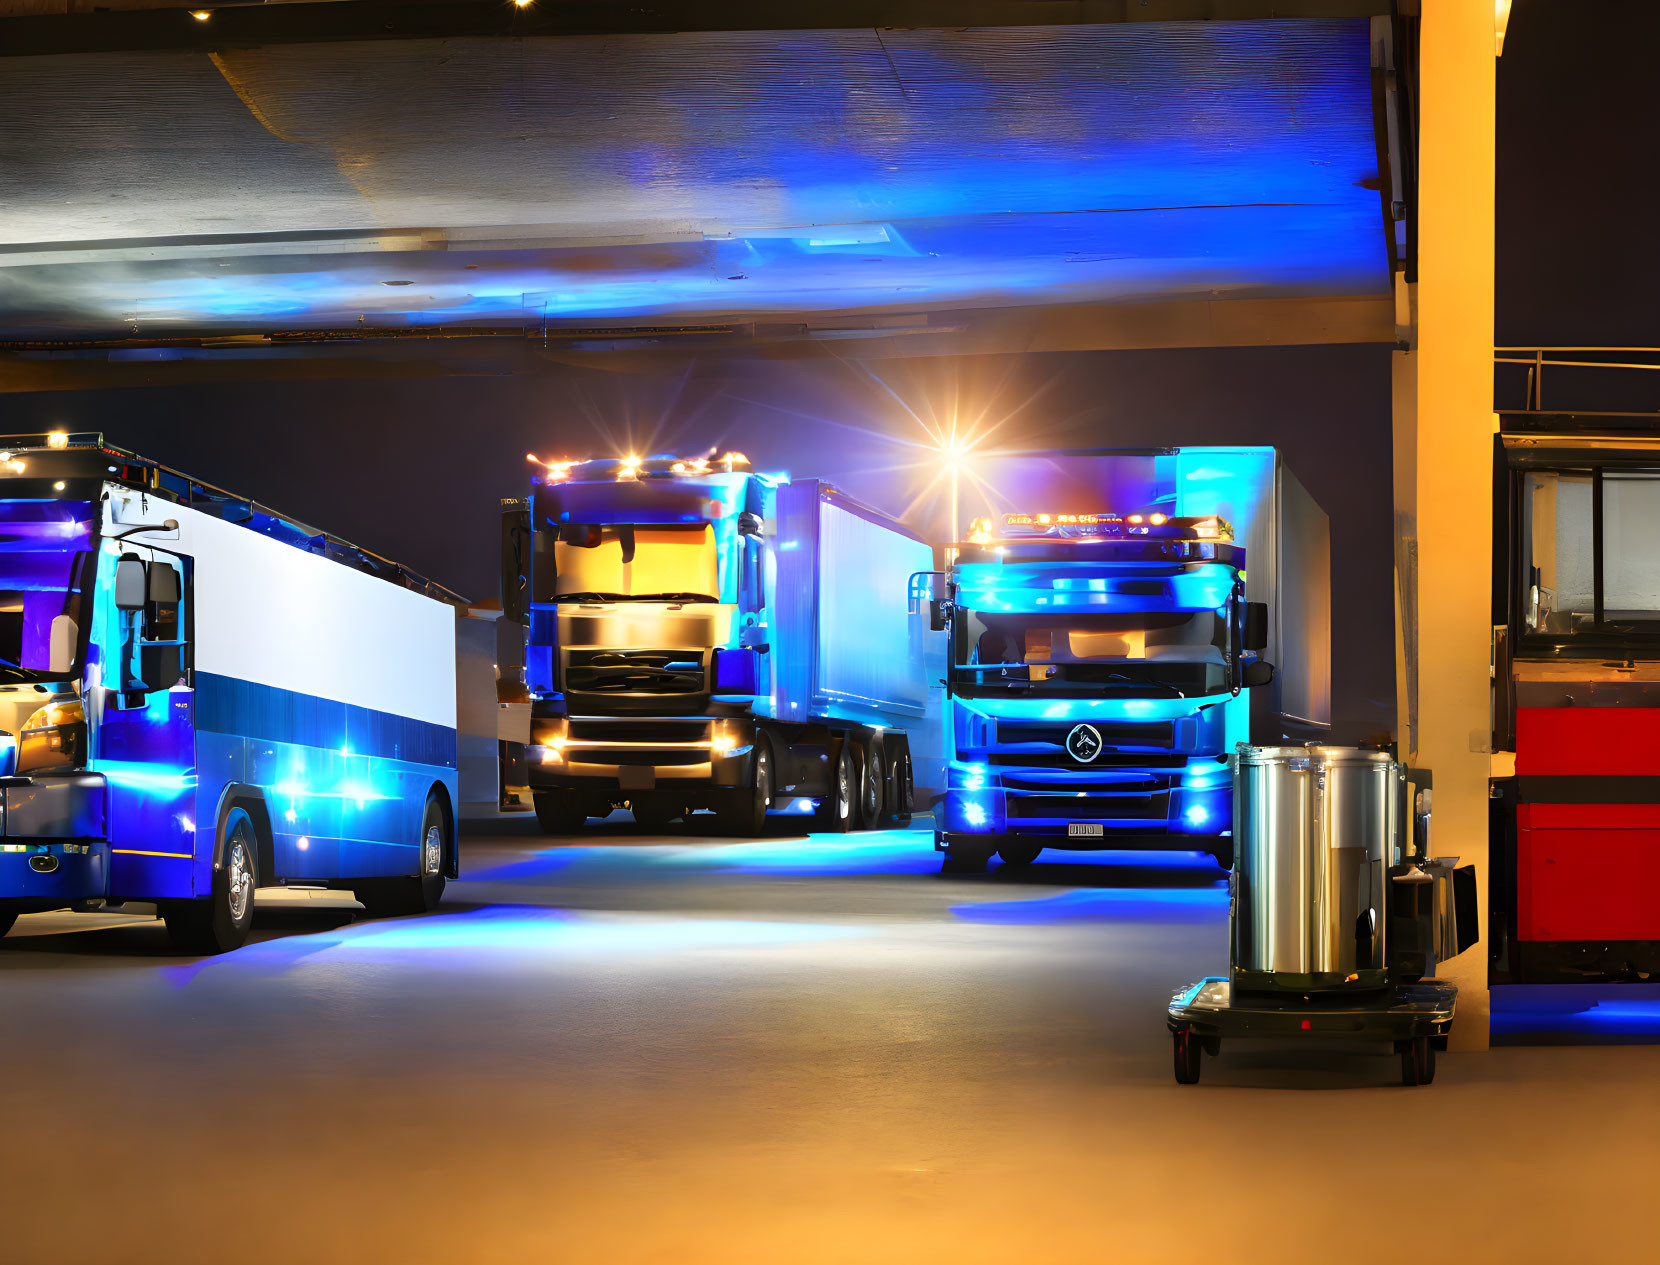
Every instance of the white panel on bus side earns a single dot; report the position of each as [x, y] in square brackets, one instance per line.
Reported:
[276, 615]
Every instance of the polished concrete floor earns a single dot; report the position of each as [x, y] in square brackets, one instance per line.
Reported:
[690, 1050]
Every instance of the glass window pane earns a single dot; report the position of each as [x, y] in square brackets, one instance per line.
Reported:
[1557, 586]
[1631, 545]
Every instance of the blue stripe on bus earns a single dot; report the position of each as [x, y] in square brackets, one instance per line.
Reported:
[228, 705]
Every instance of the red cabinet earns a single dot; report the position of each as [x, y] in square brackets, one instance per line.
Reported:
[1588, 871]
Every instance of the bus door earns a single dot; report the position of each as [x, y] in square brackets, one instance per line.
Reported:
[147, 731]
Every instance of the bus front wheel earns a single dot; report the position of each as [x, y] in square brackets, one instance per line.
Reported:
[221, 921]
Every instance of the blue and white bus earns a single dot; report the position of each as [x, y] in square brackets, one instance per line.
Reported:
[199, 697]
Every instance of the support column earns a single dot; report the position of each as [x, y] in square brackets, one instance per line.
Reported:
[1443, 443]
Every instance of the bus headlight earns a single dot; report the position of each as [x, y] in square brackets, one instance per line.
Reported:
[53, 738]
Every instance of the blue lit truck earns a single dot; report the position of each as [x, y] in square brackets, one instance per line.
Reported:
[701, 636]
[1108, 648]
[200, 697]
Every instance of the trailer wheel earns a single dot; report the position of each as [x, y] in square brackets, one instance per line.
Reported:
[871, 798]
[1189, 1051]
[901, 791]
[221, 921]
[1019, 853]
[1417, 1061]
[837, 814]
[745, 813]
[558, 814]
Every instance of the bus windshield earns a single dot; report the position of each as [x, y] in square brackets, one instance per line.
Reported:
[623, 562]
[46, 560]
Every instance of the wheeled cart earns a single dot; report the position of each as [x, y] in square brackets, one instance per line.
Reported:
[1415, 1018]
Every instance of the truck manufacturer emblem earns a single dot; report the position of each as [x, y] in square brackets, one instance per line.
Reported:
[1083, 744]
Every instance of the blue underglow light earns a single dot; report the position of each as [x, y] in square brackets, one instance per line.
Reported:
[145, 777]
[1206, 904]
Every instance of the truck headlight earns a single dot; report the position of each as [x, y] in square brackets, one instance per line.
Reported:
[53, 738]
[548, 739]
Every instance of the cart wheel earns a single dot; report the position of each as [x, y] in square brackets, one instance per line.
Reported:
[1188, 1052]
[1417, 1061]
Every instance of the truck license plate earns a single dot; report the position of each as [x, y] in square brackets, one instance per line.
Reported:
[1084, 830]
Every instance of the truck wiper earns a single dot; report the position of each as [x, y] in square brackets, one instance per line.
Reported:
[1120, 679]
[674, 597]
[591, 597]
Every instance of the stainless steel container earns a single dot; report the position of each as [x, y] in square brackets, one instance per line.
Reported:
[1315, 830]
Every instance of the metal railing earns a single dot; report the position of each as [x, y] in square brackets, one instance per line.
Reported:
[1582, 390]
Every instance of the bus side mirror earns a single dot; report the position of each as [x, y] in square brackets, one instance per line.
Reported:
[1256, 626]
[1258, 673]
[131, 584]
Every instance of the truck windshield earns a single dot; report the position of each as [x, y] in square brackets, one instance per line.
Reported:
[1577, 582]
[1180, 654]
[626, 562]
[45, 562]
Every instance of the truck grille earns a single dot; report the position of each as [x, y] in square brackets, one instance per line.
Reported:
[635, 671]
[1090, 807]
[1045, 745]
[628, 732]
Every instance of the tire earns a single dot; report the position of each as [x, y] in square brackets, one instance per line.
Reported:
[746, 812]
[1222, 854]
[418, 893]
[654, 814]
[838, 812]
[221, 921]
[1019, 853]
[558, 813]
[872, 801]
[960, 860]
[1189, 1050]
[901, 798]
[6, 921]
[1417, 1061]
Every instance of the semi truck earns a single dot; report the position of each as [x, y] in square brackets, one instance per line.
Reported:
[200, 697]
[1109, 647]
[702, 636]
[1575, 800]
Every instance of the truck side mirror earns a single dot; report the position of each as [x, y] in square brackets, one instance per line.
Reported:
[1258, 673]
[936, 616]
[164, 587]
[65, 639]
[131, 584]
[1256, 626]
[749, 524]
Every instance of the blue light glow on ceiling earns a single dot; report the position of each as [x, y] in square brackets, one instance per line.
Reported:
[723, 174]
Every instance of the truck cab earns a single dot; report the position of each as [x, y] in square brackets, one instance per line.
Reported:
[703, 636]
[1102, 661]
